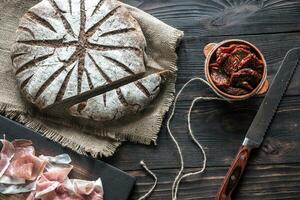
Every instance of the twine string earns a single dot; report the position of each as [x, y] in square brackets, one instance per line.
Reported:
[180, 176]
[143, 164]
[196, 142]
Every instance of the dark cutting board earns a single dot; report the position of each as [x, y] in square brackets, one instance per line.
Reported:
[117, 184]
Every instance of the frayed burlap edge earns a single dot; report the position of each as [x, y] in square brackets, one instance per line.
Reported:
[21, 115]
[15, 110]
[17, 114]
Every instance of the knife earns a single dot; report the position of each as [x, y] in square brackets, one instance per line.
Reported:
[260, 124]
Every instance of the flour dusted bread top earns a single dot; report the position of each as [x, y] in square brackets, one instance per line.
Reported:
[85, 56]
[65, 48]
[117, 103]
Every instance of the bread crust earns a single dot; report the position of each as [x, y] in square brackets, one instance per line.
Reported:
[66, 48]
[128, 99]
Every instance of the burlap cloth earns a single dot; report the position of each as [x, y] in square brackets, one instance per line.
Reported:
[88, 137]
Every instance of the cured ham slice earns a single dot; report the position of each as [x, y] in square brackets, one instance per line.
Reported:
[24, 164]
[10, 180]
[60, 159]
[45, 177]
[70, 189]
[17, 189]
[54, 183]
[7, 153]
[57, 173]
[92, 189]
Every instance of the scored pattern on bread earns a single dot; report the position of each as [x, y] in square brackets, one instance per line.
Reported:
[117, 103]
[67, 48]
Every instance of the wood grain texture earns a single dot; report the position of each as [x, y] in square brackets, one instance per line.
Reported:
[274, 27]
[215, 126]
[225, 17]
[274, 171]
[265, 182]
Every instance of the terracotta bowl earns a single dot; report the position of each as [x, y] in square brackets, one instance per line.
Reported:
[210, 50]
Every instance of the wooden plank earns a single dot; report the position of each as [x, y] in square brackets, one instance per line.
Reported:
[262, 182]
[225, 17]
[195, 17]
[219, 126]
[218, 130]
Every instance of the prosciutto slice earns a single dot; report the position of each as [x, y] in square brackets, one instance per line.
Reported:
[17, 189]
[70, 189]
[54, 183]
[45, 177]
[91, 189]
[24, 164]
[19, 167]
[10, 180]
[7, 153]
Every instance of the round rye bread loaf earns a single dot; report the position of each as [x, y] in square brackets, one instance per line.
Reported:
[87, 54]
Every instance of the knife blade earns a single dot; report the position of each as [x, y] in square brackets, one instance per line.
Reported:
[260, 124]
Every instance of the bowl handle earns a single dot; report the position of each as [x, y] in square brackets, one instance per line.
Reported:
[264, 88]
[208, 48]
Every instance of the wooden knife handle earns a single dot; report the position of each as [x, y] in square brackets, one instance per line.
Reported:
[234, 174]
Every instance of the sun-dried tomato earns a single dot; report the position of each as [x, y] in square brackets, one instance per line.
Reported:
[245, 75]
[235, 91]
[231, 48]
[232, 58]
[245, 85]
[214, 66]
[236, 69]
[220, 79]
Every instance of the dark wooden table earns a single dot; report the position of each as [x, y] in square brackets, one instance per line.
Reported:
[274, 170]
